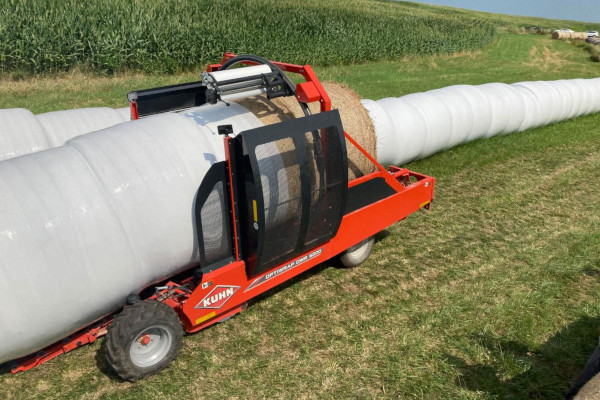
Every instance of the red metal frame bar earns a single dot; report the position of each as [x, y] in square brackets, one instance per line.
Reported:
[133, 109]
[86, 336]
[232, 201]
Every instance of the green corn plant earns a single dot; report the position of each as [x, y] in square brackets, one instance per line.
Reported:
[168, 36]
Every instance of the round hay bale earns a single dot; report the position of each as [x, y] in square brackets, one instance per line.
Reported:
[569, 35]
[355, 120]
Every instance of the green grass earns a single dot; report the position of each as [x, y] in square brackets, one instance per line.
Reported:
[174, 35]
[493, 294]
[594, 50]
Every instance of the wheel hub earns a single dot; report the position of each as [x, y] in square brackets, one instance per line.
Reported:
[144, 340]
[150, 346]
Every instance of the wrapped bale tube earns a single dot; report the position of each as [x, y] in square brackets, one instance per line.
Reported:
[418, 125]
[85, 224]
[60, 126]
[20, 133]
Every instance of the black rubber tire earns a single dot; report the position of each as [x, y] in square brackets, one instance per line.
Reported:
[128, 325]
[357, 254]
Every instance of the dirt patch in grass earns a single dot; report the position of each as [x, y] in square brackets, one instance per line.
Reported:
[545, 60]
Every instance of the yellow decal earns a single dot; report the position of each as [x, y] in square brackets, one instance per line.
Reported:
[206, 317]
[424, 204]
[255, 212]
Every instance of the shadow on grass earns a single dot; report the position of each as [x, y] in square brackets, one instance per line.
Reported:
[547, 371]
[4, 369]
[103, 365]
[311, 272]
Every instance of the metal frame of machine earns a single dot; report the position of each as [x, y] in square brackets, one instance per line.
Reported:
[205, 296]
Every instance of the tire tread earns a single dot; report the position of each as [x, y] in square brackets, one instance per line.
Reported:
[127, 325]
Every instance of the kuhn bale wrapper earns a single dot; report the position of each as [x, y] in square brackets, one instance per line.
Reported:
[277, 204]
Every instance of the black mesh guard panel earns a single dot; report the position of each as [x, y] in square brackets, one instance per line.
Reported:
[299, 171]
[282, 197]
[212, 220]
[212, 216]
[327, 185]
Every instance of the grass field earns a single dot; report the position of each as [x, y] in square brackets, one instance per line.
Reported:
[493, 294]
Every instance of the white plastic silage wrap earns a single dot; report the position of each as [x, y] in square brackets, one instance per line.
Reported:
[60, 241]
[85, 224]
[125, 113]
[61, 126]
[421, 124]
[20, 133]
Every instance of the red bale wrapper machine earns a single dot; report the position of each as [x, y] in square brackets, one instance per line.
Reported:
[334, 217]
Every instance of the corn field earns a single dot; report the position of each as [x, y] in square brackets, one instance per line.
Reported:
[169, 36]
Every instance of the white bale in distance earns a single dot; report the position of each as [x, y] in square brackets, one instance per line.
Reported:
[125, 113]
[500, 107]
[461, 117]
[86, 224]
[20, 133]
[418, 125]
[436, 116]
[61, 126]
